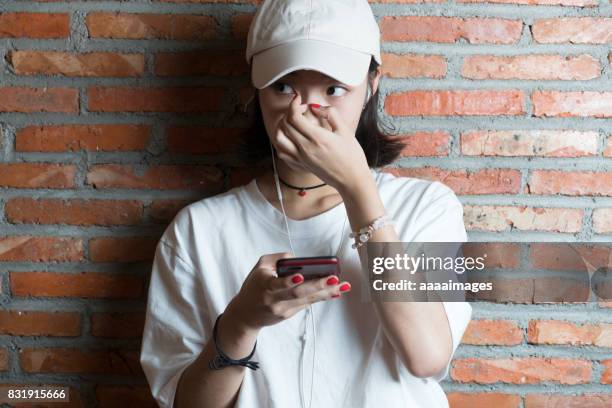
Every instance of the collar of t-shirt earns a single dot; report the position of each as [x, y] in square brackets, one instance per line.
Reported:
[306, 228]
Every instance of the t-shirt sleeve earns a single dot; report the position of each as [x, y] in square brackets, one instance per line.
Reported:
[441, 220]
[175, 324]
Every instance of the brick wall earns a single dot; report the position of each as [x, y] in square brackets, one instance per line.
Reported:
[114, 115]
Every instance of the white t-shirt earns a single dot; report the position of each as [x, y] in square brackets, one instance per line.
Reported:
[211, 246]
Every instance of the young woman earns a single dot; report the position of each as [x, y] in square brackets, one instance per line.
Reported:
[222, 329]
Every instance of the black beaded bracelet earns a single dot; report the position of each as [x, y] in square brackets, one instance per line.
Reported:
[221, 360]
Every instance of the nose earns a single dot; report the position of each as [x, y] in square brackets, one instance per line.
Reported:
[309, 98]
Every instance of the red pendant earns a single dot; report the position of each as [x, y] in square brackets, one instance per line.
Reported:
[302, 193]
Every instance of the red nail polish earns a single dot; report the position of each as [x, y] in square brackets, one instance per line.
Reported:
[332, 281]
[297, 279]
[314, 105]
[345, 287]
[336, 295]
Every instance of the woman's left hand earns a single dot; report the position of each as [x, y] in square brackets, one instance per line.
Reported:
[331, 152]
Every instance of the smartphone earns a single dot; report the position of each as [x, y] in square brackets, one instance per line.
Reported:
[311, 267]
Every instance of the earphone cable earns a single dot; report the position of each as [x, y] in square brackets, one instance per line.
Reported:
[310, 309]
[280, 198]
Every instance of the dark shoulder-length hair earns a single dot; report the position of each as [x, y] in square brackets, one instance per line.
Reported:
[381, 147]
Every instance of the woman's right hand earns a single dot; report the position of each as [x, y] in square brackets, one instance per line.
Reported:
[265, 299]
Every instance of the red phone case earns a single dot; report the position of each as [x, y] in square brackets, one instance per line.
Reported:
[311, 267]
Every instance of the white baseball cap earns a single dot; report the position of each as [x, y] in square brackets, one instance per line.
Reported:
[335, 37]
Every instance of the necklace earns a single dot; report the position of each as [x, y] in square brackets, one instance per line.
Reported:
[302, 190]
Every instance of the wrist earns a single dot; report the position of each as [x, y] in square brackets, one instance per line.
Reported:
[361, 184]
[239, 325]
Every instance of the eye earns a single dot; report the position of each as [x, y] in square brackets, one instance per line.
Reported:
[338, 87]
[279, 87]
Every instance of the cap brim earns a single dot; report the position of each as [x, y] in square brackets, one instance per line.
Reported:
[343, 64]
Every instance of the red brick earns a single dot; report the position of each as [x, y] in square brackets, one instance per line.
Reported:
[121, 249]
[83, 284]
[110, 396]
[4, 360]
[169, 99]
[240, 25]
[243, 175]
[493, 332]
[74, 211]
[560, 332]
[413, 66]
[34, 25]
[117, 325]
[511, 290]
[163, 177]
[496, 254]
[578, 30]
[458, 102]
[606, 375]
[27, 248]
[533, 67]
[573, 183]
[426, 144]
[545, 143]
[602, 220]
[148, 25]
[201, 62]
[523, 218]
[69, 360]
[203, 140]
[561, 289]
[568, 401]
[25, 100]
[164, 211]
[35, 323]
[483, 181]
[577, 103]
[37, 175]
[91, 64]
[569, 256]
[450, 29]
[531, 370]
[483, 400]
[73, 138]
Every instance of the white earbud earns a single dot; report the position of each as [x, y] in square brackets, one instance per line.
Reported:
[367, 98]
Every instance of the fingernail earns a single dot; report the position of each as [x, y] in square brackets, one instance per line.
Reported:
[336, 295]
[345, 287]
[332, 281]
[314, 105]
[297, 279]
